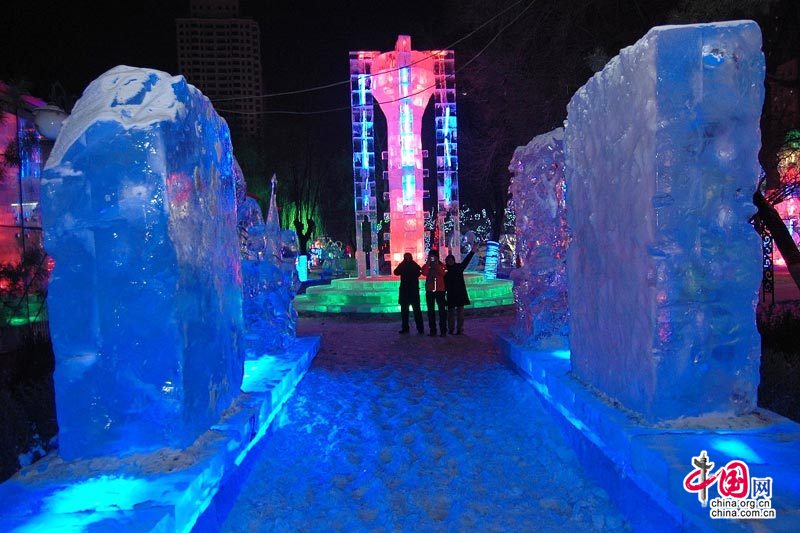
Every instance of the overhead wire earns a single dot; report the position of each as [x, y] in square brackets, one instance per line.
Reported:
[344, 108]
[346, 82]
[473, 58]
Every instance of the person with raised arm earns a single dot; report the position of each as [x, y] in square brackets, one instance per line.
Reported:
[456, 288]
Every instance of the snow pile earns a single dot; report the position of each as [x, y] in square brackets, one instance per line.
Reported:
[134, 98]
[145, 300]
[540, 284]
[661, 151]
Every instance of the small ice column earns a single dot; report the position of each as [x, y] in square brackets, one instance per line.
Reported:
[661, 151]
[269, 280]
[540, 284]
[145, 301]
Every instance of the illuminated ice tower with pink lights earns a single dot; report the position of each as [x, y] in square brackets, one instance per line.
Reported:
[402, 82]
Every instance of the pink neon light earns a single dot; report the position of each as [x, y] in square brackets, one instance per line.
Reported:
[789, 211]
[403, 95]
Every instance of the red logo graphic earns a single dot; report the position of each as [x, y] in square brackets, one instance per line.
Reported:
[732, 480]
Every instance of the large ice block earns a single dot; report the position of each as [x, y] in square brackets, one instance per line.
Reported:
[145, 301]
[540, 283]
[661, 151]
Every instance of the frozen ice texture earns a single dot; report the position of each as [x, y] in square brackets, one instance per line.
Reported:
[540, 284]
[252, 235]
[240, 184]
[269, 282]
[661, 151]
[145, 302]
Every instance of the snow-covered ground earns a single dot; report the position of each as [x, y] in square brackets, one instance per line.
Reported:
[413, 433]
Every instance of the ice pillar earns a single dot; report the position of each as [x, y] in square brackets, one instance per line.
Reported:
[540, 284]
[445, 115]
[363, 132]
[661, 152]
[145, 301]
[403, 82]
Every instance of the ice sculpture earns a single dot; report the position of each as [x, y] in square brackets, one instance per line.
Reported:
[145, 302]
[402, 81]
[269, 279]
[661, 151]
[540, 284]
[240, 186]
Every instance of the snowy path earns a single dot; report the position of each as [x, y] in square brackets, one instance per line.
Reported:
[418, 434]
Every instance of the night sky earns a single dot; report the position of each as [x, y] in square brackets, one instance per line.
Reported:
[304, 43]
[73, 43]
[518, 88]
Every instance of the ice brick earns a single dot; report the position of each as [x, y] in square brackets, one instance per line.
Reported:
[145, 302]
[661, 150]
[540, 284]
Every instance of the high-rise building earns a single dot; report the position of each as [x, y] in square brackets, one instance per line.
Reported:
[220, 54]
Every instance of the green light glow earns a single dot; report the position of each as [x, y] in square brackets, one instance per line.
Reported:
[17, 316]
[379, 295]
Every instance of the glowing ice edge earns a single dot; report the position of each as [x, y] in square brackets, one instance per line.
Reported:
[112, 97]
[184, 495]
[646, 455]
[379, 295]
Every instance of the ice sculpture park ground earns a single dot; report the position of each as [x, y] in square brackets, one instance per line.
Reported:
[414, 433]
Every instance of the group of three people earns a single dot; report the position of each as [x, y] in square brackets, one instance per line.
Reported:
[444, 287]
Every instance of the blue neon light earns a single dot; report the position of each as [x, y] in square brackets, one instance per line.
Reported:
[364, 131]
[406, 129]
[78, 506]
[409, 188]
[362, 89]
[561, 354]
[736, 449]
[492, 259]
[404, 80]
[406, 136]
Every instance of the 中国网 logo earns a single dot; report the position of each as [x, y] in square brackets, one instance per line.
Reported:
[741, 496]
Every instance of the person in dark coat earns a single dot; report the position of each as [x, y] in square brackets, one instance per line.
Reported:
[435, 293]
[409, 272]
[457, 296]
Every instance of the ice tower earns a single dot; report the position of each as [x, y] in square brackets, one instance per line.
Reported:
[402, 82]
[661, 154]
[145, 301]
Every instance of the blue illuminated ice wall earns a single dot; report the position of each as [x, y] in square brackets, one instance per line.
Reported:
[446, 119]
[269, 276]
[664, 269]
[539, 201]
[145, 301]
[363, 134]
